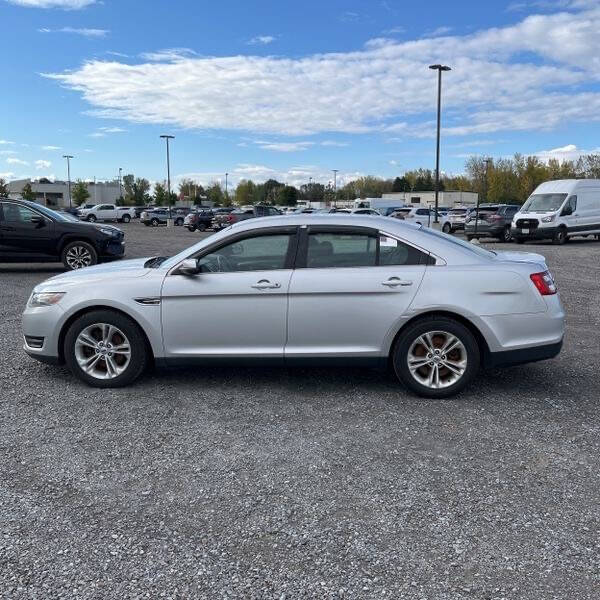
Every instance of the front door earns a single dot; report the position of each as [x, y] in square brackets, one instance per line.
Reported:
[24, 233]
[350, 289]
[237, 304]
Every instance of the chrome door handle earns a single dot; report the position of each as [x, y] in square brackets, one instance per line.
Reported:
[265, 284]
[395, 282]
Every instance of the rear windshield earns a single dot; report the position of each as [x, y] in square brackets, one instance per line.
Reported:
[543, 202]
[458, 211]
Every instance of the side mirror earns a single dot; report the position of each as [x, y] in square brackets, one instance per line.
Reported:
[38, 221]
[566, 211]
[189, 267]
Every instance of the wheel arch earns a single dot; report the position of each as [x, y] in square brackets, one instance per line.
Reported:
[484, 349]
[79, 313]
[75, 237]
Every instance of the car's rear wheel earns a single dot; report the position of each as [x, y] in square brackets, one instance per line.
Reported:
[447, 228]
[191, 228]
[202, 227]
[560, 237]
[178, 222]
[470, 237]
[154, 222]
[78, 254]
[91, 218]
[436, 357]
[126, 219]
[506, 234]
[105, 349]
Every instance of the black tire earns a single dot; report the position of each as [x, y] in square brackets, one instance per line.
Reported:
[202, 227]
[506, 235]
[154, 222]
[178, 222]
[560, 236]
[470, 237]
[191, 228]
[447, 228]
[78, 254]
[91, 218]
[126, 219]
[139, 351]
[435, 324]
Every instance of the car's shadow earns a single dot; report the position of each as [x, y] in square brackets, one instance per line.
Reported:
[21, 268]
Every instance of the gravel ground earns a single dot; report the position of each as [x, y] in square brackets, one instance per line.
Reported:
[240, 483]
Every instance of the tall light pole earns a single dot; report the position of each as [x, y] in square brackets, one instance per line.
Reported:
[167, 138]
[120, 188]
[69, 157]
[335, 172]
[439, 69]
[487, 162]
[226, 183]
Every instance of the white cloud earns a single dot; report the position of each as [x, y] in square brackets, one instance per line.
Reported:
[7, 175]
[88, 150]
[65, 4]
[527, 76]
[284, 146]
[334, 144]
[42, 164]
[51, 148]
[113, 129]
[16, 161]
[262, 40]
[97, 134]
[168, 55]
[7, 152]
[438, 31]
[119, 54]
[5, 142]
[84, 31]
[568, 152]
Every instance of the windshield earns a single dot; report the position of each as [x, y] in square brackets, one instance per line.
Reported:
[458, 242]
[458, 211]
[543, 202]
[53, 214]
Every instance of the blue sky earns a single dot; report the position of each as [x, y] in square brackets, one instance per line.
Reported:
[291, 90]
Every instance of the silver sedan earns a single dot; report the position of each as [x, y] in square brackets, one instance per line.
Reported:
[304, 289]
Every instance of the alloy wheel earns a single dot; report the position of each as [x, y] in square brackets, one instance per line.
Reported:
[102, 351]
[437, 359]
[78, 257]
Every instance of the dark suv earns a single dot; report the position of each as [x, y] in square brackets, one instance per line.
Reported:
[30, 233]
[493, 221]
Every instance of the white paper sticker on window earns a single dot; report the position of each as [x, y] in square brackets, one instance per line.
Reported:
[388, 242]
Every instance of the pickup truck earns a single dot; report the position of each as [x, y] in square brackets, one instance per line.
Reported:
[107, 212]
[199, 220]
[243, 213]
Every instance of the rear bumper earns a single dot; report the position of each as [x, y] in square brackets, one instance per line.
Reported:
[522, 356]
[485, 231]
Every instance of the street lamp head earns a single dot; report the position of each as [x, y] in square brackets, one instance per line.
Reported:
[164, 136]
[67, 156]
[440, 67]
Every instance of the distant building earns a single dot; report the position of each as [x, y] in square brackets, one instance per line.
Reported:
[447, 199]
[55, 194]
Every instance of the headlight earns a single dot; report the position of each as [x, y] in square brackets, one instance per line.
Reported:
[45, 298]
[108, 231]
[548, 219]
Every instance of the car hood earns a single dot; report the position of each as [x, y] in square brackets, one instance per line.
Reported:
[99, 273]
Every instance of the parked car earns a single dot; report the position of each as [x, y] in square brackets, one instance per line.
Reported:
[32, 233]
[159, 216]
[455, 219]
[71, 210]
[417, 215]
[107, 212]
[200, 220]
[491, 221]
[559, 210]
[244, 213]
[272, 289]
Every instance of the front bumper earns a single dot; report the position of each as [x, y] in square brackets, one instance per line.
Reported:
[43, 323]
[539, 233]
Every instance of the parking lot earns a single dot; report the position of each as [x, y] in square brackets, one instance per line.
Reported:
[312, 483]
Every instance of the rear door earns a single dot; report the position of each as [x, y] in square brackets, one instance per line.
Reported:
[107, 212]
[350, 288]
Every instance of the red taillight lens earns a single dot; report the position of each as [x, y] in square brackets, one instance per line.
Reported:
[230, 218]
[544, 283]
[494, 218]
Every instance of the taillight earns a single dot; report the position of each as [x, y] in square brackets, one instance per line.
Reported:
[544, 283]
[494, 218]
[230, 218]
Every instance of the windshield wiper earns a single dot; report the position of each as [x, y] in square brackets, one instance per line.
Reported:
[156, 261]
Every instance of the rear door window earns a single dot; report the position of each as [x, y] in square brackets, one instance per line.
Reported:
[337, 250]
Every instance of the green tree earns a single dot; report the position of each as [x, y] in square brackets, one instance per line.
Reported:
[245, 192]
[401, 184]
[314, 192]
[287, 196]
[136, 190]
[214, 194]
[128, 183]
[27, 192]
[3, 188]
[79, 192]
[191, 190]
[160, 194]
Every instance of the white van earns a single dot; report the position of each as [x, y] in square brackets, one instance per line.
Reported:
[559, 210]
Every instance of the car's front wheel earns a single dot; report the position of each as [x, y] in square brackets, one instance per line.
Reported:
[78, 254]
[92, 218]
[105, 349]
[126, 219]
[447, 228]
[178, 222]
[560, 237]
[202, 227]
[436, 357]
[154, 222]
[506, 235]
